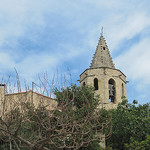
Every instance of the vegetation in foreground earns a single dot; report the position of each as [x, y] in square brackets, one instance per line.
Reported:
[130, 127]
[73, 125]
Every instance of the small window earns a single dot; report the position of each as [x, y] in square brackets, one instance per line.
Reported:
[103, 48]
[83, 83]
[122, 89]
[112, 90]
[96, 84]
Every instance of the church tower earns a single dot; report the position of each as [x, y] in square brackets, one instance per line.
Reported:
[109, 83]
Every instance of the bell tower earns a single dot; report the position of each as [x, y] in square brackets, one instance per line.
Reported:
[109, 83]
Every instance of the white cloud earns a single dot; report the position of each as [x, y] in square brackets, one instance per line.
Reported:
[136, 61]
[122, 20]
[6, 62]
[128, 28]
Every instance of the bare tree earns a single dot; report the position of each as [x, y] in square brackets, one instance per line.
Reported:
[75, 123]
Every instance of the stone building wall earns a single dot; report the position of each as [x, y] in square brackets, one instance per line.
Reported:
[104, 75]
[9, 102]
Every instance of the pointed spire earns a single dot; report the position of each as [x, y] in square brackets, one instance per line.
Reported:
[102, 56]
[102, 31]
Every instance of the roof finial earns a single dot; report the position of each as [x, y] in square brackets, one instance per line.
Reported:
[102, 31]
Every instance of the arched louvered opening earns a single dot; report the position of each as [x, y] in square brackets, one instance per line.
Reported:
[112, 90]
[96, 84]
[83, 83]
[122, 89]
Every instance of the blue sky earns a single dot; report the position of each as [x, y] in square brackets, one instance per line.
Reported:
[43, 36]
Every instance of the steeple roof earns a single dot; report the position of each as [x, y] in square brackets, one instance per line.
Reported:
[102, 56]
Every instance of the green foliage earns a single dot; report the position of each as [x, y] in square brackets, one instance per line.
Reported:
[83, 103]
[130, 123]
[77, 96]
[93, 146]
[80, 100]
[136, 145]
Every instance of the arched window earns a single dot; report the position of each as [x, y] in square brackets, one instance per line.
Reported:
[112, 90]
[122, 89]
[83, 83]
[96, 84]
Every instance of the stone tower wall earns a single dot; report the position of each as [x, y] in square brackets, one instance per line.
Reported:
[104, 75]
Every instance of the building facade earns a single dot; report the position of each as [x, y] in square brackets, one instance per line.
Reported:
[11, 101]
